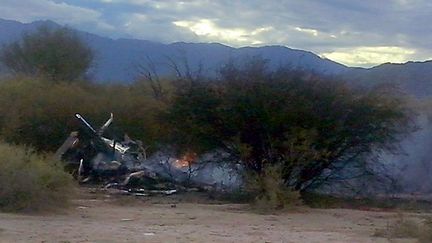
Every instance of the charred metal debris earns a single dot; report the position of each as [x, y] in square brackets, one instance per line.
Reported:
[124, 166]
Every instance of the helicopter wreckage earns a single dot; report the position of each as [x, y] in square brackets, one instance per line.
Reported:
[126, 166]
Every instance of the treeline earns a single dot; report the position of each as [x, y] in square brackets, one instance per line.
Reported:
[40, 113]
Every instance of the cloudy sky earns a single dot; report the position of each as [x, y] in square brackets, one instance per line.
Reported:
[353, 32]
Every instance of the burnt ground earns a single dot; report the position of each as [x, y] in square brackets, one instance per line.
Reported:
[96, 217]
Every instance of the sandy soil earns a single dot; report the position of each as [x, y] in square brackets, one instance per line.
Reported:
[96, 218]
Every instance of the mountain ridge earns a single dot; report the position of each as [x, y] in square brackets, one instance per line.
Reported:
[118, 60]
[116, 57]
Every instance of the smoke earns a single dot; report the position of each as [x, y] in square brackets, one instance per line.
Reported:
[407, 172]
[210, 170]
[413, 167]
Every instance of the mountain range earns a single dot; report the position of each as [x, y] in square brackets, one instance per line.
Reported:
[121, 60]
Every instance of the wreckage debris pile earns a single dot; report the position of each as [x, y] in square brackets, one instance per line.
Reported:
[124, 166]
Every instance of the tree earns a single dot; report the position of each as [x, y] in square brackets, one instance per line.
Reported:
[309, 126]
[54, 53]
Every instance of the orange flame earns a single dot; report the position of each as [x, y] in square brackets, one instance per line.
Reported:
[186, 160]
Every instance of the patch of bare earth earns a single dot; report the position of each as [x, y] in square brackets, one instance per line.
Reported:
[103, 218]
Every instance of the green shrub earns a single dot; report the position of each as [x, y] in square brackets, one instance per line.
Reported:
[57, 54]
[29, 181]
[269, 190]
[314, 127]
[40, 114]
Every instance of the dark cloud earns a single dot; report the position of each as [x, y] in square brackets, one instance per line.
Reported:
[336, 28]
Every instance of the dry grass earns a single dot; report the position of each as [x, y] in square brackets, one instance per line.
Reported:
[270, 191]
[31, 182]
[407, 228]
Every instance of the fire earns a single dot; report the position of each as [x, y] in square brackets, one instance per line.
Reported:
[180, 163]
[186, 160]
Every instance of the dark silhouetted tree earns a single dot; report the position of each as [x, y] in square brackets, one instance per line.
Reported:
[309, 126]
[57, 54]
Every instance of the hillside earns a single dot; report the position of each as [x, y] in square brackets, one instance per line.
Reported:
[117, 60]
[413, 77]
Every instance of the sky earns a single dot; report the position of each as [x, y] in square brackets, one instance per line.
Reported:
[353, 32]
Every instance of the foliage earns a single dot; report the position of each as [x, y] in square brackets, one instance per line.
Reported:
[29, 181]
[57, 54]
[270, 191]
[313, 127]
[40, 114]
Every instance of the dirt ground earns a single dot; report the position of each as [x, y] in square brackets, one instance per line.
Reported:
[105, 218]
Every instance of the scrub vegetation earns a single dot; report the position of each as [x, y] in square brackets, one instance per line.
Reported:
[32, 182]
[290, 130]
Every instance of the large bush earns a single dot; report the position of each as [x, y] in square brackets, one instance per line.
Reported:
[57, 54]
[40, 114]
[312, 127]
[29, 181]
